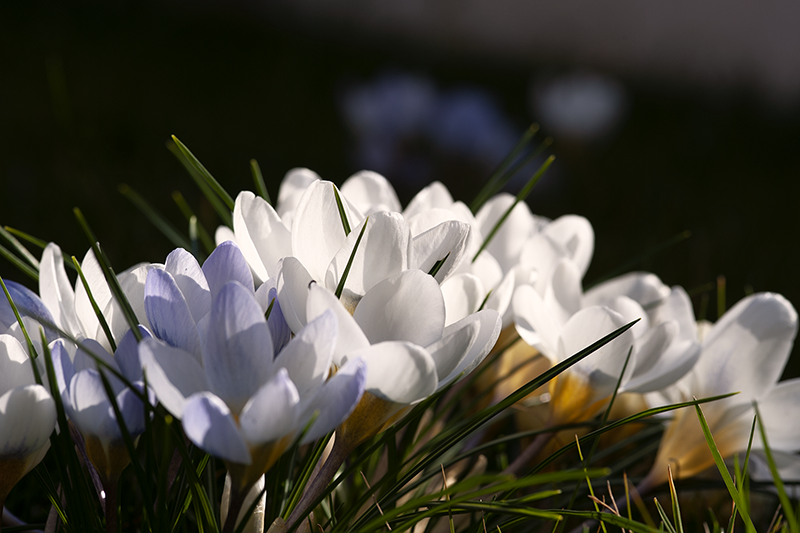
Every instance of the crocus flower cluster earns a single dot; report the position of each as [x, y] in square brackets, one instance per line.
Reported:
[337, 311]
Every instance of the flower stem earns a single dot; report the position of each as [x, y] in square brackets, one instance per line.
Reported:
[528, 454]
[341, 449]
[237, 500]
[111, 506]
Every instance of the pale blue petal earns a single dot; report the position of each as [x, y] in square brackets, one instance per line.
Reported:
[132, 410]
[272, 412]
[226, 263]
[191, 281]
[173, 374]
[209, 424]
[92, 412]
[307, 357]
[237, 353]
[168, 312]
[278, 327]
[335, 400]
[127, 354]
[28, 304]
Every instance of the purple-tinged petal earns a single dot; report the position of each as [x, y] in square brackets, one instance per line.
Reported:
[132, 410]
[172, 373]
[28, 304]
[237, 352]
[408, 306]
[64, 371]
[226, 263]
[209, 424]
[127, 355]
[278, 327]
[335, 400]
[191, 281]
[272, 412]
[91, 410]
[307, 357]
[169, 313]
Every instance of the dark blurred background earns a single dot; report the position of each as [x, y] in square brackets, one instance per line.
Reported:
[664, 118]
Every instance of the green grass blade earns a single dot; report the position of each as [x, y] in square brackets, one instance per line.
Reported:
[161, 223]
[342, 213]
[340, 286]
[788, 510]
[100, 317]
[526, 190]
[491, 186]
[216, 202]
[23, 267]
[209, 179]
[437, 266]
[21, 250]
[723, 469]
[202, 234]
[39, 243]
[258, 180]
[664, 518]
[31, 350]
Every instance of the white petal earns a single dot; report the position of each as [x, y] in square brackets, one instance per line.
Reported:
[575, 233]
[534, 323]
[350, 336]
[294, 184]
[263, 236]
[562, 295]
[317, 230]
[293, 284]
[398, 371]
[27, 418]
[15, 365]
[642, 287]
[382, 253]
[433, 196]
[447, 241]
[370, 192]
[747, 348]
[100, 292]
[55, 289]
[507, 242]
[778, 408]
[224, 233]
[463, 294]
[408, 306]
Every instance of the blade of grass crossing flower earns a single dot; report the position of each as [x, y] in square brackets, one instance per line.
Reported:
[723, 469]
[108, 272]
[526, 190]
[31, 350]
[490, 187]
[437, 266]
[788, 510]
[39, 243]
[209, 179]
[202, 234]
[161, 223]
[144, 483]
[258, 180]
[447, 438]
[21, 250]
[342, 213]
[340, 286]
[95, 307]
[216, 202]
[24, 267]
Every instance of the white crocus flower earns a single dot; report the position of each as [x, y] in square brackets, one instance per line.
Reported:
[744, 352]
[27, 416]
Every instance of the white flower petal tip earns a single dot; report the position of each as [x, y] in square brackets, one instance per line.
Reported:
[337, 398]
[370, 192]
